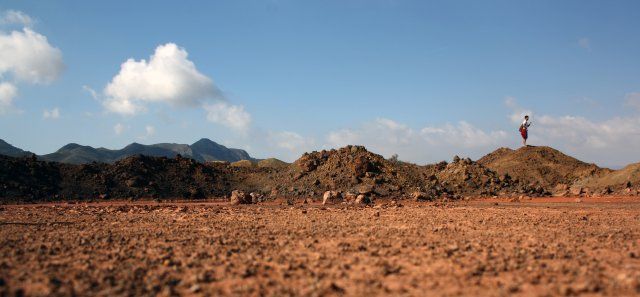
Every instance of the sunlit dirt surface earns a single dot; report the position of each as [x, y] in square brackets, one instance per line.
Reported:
[480, 248]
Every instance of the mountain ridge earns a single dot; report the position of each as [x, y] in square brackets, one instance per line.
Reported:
[12, 151]
[203, 150]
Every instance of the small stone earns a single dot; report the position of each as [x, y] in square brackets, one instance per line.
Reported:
[363, 199]
[331, 197]
[195, 288]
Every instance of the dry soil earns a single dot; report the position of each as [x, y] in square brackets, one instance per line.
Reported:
[479, 248]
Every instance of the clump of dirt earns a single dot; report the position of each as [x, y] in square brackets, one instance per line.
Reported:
[539, 166]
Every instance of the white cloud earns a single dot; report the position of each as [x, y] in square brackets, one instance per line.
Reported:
[53, 114]
[633, 100]
[169, 77]
[25, 56]
[91, 92]
[149, 131]
[463, 135]
[118, 128]
[29, 57]
[7, 93]
[608, 142]
[287, 145]
[517, 112]
[429, 144]
[585, 43]
[15, 17]
[290, 141]
[232, 116]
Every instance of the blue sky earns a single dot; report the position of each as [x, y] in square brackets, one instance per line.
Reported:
[424, 79]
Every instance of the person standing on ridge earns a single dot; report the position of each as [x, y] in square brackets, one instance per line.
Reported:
[524, 130]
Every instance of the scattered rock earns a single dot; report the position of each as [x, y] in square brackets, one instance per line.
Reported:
[421, 196]
[331, 197]
[256, 197]
[561, 190]
[240, 197]
[363, 199]
[576, 191]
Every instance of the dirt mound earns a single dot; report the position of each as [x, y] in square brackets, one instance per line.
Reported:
[351, 169]
[539, 166]
[623, 181]
[27, 179]
[272, 163]
[468, 178]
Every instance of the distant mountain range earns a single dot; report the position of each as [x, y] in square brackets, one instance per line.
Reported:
[10, 150]
[203, 150]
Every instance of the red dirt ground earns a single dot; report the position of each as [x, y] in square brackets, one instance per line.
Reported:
[537, 247]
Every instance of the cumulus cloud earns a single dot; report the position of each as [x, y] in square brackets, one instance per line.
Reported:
[291, 141]
[15, 17]
[608, 142]
[29, 57]
[7, 93]
[25, 56]
[118, 128]
[169, 77]
[232, 116]
[462, 135]
[428, 144]
[52, 114]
